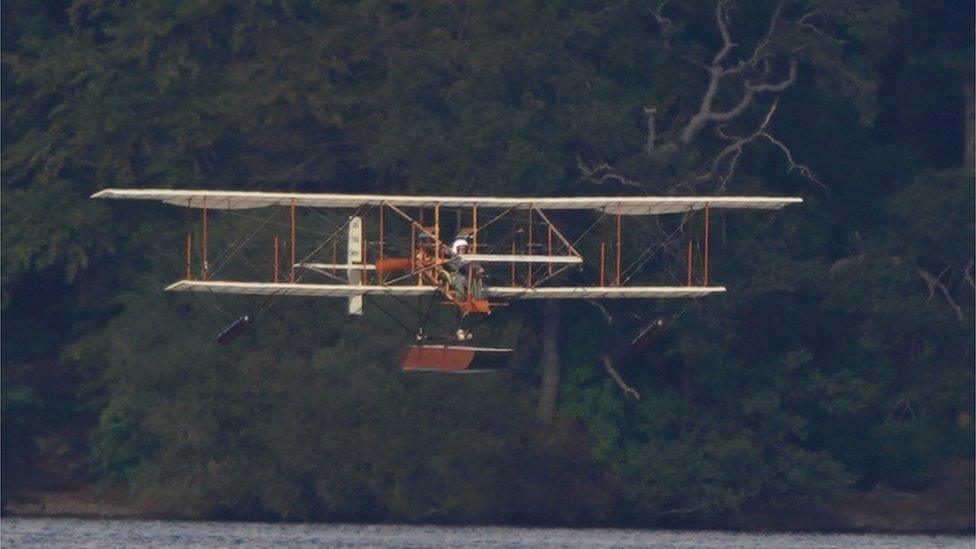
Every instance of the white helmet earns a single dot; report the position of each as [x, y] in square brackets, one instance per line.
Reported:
[457, 244]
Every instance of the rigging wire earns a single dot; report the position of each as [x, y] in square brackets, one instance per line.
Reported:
[565, 267]
[646, 255]
[271, 297]
[393, 317]
[240, 246]
[277, 224]
[651, 251]
[749, 242]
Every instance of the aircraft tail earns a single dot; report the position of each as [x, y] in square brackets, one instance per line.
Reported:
[355, 257]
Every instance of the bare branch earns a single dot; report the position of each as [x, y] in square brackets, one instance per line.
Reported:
[803, 18]
[602, 309]
[724, 179]
[664, 22]
[901, 408]
[716, 71]
[705, 113]
[756, 57]
[803, 170]
[701, 117]
[735, 149]
[753, 74]
[769, 116]
[651, 130]
[721, 17]
[734, 111]
[778, 87]
[627, 389]
[739, 67]
[701, 65]
[731, 153]
[604, 172]
[933, 284]
[802, 23]
[967, 275]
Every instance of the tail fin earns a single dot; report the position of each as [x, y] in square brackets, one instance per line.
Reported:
[355, 256]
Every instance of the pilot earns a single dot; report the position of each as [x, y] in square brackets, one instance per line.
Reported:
[458, 271]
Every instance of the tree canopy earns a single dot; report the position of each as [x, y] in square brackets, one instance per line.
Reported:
[840, 358]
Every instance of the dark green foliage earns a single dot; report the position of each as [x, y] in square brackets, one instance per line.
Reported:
[840, 357]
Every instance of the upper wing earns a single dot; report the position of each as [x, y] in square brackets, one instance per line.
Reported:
[299, 289]
[342, 290]
[625, 205]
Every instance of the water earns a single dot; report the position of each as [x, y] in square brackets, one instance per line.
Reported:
[20, 532]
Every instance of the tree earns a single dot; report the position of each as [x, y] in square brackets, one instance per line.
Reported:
[834, 363]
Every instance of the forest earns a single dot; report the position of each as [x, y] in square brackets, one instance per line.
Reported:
[840, 359]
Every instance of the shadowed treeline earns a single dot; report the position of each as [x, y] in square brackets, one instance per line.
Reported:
[841, 357]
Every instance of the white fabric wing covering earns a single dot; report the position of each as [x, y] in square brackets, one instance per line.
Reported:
[507, 258]
[297, 289]
[621, 292]
[625, 205]
[341, 290]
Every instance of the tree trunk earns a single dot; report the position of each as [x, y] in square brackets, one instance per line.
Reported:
[550, 362]
[970, 155]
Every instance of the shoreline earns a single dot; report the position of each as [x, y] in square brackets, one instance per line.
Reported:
[88, 501]
[882, 511]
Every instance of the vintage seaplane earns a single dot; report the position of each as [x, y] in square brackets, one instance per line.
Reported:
[434, 248]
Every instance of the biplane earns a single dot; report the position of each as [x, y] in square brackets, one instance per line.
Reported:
[473, 254]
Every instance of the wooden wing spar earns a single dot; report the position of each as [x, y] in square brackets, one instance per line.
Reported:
[624, 205]
[401, 246]
[341, 290]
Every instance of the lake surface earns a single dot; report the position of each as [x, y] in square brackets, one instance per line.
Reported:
[45, 532]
